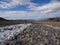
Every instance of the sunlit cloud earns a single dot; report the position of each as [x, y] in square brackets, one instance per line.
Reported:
[13, 3]
[52, 9]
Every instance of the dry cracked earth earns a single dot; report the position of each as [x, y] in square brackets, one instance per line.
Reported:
[37, 34]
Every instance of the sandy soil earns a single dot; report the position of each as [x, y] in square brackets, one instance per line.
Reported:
[56, 24]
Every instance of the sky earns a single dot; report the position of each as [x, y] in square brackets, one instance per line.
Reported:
[29, 9]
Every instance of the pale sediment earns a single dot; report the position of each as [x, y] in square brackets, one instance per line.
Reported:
[36, 34]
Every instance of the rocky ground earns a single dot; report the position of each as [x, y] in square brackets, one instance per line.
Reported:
[37, 34]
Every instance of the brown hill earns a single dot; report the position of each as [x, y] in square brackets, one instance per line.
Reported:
[51, 21]
[5, 22]
[56, 19]
[2, 19]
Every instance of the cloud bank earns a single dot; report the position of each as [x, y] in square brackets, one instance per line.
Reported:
[51, 9]
[13, 3]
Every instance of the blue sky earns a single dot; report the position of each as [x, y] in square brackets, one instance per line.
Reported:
[29, 9]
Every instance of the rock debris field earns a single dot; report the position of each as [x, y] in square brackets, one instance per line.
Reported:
[34, 34]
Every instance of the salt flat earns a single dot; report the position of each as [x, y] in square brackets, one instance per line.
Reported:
[6, 34]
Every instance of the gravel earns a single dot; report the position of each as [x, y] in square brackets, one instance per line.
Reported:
[36, 34]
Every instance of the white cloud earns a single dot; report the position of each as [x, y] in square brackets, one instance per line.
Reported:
[50, 8]
[16, 14]
[24, 15]
[13, 3]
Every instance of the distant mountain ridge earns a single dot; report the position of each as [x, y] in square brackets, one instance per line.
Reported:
[6, 22]
[55, 19]
[1, 19]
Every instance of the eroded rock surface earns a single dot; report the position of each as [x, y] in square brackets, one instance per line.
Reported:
[36, 34]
